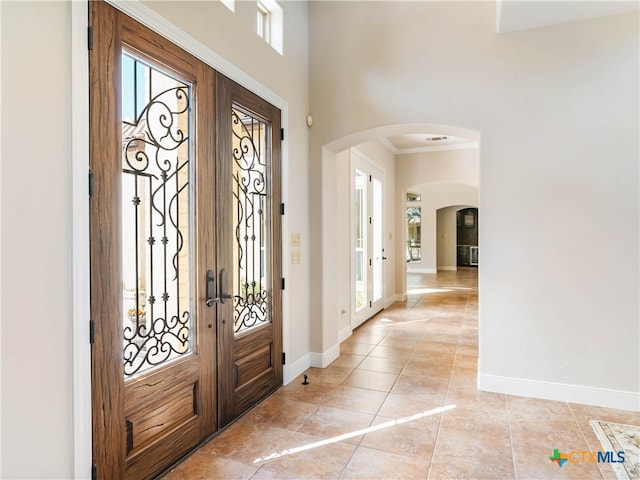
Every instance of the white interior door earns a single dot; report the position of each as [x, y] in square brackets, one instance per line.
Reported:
[367, 246]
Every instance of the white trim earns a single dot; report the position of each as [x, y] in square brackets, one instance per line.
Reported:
[561, 392]
[420, 270]
[1, 225]
[80, 208]
[345, 333]
[80, 241]
[361, 162]
[386, 143]
[230, 4]
[456, 146]
[447, 268]
[290, 372]
[322, 360]
[393, 299]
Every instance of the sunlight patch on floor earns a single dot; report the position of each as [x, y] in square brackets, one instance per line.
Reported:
[355, 433]
[413, 291]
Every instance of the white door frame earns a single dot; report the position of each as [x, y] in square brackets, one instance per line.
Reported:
[359, 161]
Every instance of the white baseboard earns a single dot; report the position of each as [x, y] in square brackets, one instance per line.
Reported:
[600, 397]
[344, 334]
[290, 372]
[393, 299]
[321, 360]
[447, 268]
[421, 270]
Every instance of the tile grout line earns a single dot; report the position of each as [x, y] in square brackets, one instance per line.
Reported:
[446, 396]
[346, 464]
[584, 437]
[513, 453]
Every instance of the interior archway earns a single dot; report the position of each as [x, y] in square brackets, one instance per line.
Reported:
[327, 339]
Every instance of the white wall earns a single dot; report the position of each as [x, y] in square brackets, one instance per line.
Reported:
[557, 109]
[37, 258]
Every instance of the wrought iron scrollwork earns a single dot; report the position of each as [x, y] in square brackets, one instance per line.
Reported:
[154, 343]
[155, 168]
[250, 156]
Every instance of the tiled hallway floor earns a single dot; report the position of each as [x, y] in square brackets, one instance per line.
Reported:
[377, 411]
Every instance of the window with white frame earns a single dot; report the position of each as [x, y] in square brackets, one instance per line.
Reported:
[269, 23]
[263, 21]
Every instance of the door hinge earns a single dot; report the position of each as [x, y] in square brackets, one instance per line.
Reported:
[128, 425]
[370, 262]
[90, 37]
[282, 209]
[94, 472]
[370, 178]
[282, 134]
[370, 304]
[283, 284]
[90, 184]
[92, 332]
[369, 220]
[284, 358]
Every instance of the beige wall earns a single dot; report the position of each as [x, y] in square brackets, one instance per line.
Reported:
[37, 408]
[445, 166]
[550, 104]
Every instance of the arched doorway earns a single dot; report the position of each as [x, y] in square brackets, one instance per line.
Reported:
[328, 323]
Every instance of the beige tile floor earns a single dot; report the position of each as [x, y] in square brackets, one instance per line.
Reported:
[377, 411]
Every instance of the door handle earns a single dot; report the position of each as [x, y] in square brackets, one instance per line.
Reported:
[211, 288]
[224, 280]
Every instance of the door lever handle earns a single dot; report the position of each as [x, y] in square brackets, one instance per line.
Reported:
[223, 286]
[211, 288]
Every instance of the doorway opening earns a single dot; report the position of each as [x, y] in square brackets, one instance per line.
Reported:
[185, 235]
[467, 250]
[434, 177]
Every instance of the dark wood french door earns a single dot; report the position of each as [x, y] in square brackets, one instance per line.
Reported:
[248, 212]
[185, 242]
